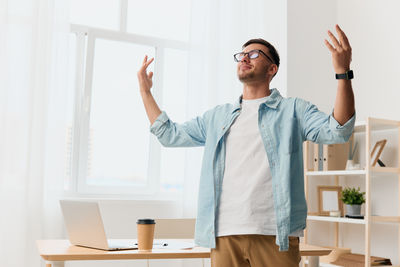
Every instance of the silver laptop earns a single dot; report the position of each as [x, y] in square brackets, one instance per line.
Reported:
[85, 226]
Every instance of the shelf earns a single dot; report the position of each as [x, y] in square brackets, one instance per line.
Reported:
[323, 264]
[385, 219]
[336, 173]
[385, 170]
[375, 219]
[376, 125]
[360, 126]
[376, 129]
[335, 219]
[353, 172]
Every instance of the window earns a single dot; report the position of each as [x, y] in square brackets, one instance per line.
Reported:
[109, 145]
[95, 13]
[174, 85]
[171, 23]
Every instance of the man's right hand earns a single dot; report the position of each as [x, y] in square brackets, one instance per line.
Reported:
[145, 80]
[145, 84]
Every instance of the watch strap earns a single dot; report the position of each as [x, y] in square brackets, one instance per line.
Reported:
[348, 75]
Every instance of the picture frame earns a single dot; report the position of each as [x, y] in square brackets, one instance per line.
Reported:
[377, 151]
[329, 200]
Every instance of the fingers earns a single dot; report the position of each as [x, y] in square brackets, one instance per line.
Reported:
[144, 60]
[148, 62]
[344, 42]
[145, 80]
[330, 47]
[145, 64]
[334, 40]
[340, 49]
[342, 37]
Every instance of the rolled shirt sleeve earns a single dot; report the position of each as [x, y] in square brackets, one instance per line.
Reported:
[170, 134]
[322, 128]
[345, 129]
[156, 128]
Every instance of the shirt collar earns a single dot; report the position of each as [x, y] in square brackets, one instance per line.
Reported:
[273, 100]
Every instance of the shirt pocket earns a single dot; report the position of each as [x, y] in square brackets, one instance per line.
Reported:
[289, 136]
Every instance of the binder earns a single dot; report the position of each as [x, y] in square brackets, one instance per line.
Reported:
[331, 157]
[318, 157]
[335, 156]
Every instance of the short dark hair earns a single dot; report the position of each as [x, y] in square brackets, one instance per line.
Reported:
[271, 48]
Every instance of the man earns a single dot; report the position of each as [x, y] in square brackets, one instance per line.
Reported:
[251, 206]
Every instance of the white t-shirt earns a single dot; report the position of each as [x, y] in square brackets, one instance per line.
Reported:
[246, 203]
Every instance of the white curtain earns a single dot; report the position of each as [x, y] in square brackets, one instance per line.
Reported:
[33, 50]
[219, 28]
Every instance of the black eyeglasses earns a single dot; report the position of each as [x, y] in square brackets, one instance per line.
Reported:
[251, 54]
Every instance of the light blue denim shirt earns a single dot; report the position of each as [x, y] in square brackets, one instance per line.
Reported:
[284, 124]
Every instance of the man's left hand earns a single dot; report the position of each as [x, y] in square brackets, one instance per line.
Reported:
[341, 51]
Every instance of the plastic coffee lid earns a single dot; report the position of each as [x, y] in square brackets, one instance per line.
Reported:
[145, 221]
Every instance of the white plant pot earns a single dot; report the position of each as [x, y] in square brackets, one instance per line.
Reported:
[353, 210]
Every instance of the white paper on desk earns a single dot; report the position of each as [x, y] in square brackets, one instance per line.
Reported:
[175, 244]
[168, 244]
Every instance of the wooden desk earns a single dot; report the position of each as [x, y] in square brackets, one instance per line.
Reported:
[56, 252]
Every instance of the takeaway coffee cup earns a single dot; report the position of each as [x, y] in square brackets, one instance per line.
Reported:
[145, 233]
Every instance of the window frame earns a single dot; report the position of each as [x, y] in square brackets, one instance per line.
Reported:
[86, 37]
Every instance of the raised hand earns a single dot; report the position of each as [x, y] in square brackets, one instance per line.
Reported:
[341, 51]
[145, 80]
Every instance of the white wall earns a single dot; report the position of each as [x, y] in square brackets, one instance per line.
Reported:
[372, 29]
[310, 71]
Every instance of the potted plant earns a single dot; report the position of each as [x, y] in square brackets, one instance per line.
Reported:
[353, 199]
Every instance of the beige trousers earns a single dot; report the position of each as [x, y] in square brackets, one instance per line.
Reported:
[254, 251]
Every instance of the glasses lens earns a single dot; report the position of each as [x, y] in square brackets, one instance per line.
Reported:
[239, 56]
[253, 54]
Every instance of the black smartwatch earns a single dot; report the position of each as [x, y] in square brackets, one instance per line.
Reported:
[348, 75]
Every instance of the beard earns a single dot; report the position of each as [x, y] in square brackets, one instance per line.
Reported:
[246, 77]
[252, 75]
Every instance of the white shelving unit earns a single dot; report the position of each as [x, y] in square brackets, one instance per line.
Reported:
[367, 127]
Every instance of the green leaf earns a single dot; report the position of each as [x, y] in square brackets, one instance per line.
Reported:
[352, 196]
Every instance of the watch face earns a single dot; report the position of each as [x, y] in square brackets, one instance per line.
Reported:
[349, 75]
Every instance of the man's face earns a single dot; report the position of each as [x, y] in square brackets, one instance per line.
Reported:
[249, 70]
